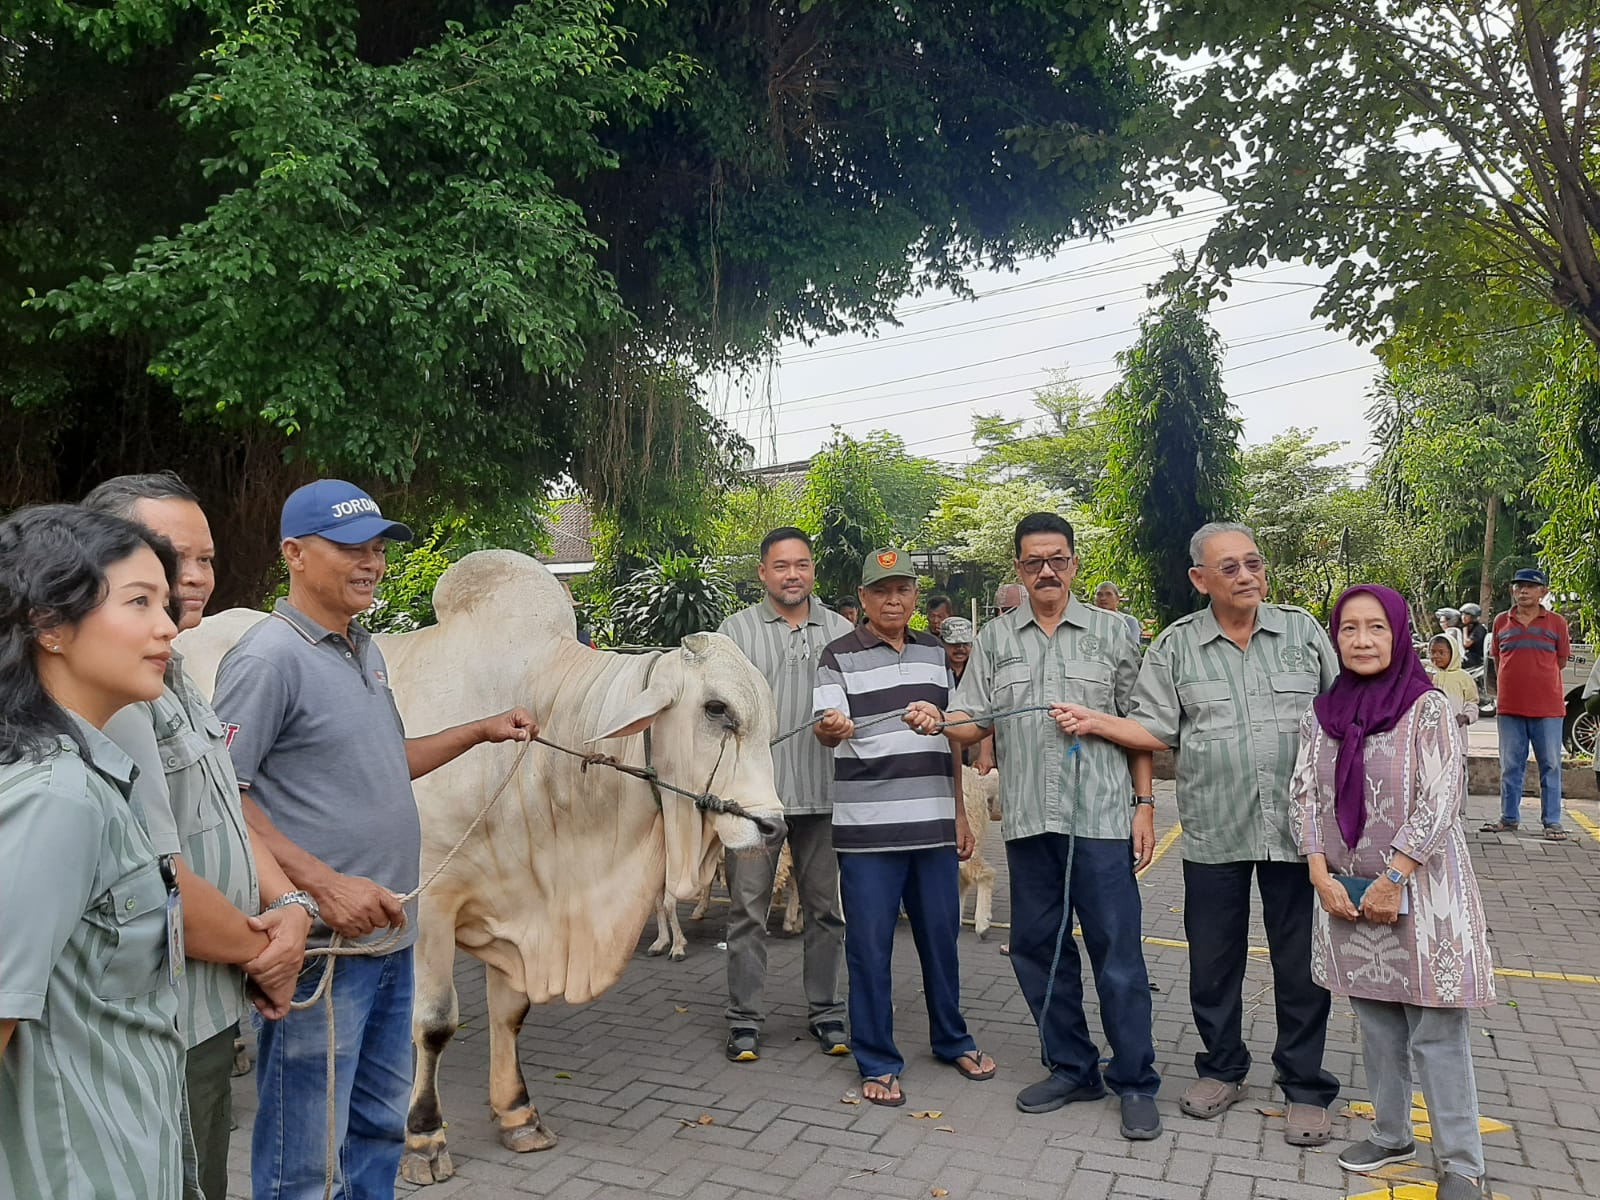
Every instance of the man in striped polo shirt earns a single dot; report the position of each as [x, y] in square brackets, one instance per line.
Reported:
[1531, 648]
[897, 826]
[783, 637]
[1225, 688]
[188, 797]
[1079, 818]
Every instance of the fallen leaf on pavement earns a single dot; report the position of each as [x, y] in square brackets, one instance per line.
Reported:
[944, 1129]
[1270, 1112]
[679, 1008]
[706, 1119]
[938, 1192]
[927, 1114]
[562, 1075]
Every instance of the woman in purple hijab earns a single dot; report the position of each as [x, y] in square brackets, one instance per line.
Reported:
[1376, 808]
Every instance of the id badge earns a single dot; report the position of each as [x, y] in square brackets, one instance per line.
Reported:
[174, 913]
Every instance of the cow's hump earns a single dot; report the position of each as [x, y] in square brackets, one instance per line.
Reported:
[503, 585]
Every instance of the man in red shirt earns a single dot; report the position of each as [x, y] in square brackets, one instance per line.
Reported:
[1531, 646]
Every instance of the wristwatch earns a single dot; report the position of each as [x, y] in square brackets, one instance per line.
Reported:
[303, 899]
[1394, 876]
[1150, 800]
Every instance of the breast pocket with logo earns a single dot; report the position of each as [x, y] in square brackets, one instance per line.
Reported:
[1090, 684]
[132, 913]
[183, 760]
[1208, 709]
[1292, 694]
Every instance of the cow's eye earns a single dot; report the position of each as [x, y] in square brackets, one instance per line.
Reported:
[717, 709]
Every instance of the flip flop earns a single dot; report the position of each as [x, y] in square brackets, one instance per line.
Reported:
[975, 1072]
[1554, 833]
[890, 1084]
[1498, 827]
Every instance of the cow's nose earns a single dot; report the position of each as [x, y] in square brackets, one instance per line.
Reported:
[773, 829]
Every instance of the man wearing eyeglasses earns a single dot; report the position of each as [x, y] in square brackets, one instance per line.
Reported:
[1071, 807]
[1226, 687]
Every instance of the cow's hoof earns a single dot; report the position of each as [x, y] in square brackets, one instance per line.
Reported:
[423, 1167]
[983, 934]
[678, 954]
[525, 1139]
[655, 948]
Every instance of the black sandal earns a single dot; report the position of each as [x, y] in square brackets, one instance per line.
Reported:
[890, 1084]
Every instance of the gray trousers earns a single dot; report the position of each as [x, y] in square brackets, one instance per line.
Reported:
[1440, 1042]
[816, 875]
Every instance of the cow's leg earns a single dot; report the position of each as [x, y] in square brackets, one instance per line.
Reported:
[434, 1017]
[703, 905]
[520, 1127]
[794, 920]
[669, 934]
[983, 907]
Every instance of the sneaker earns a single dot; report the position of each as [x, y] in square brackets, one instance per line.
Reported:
[1459, 1187]
[1140, 1120]
[1053, 1092]
[1362, 1157]
[831, 1037]
[744, 1045]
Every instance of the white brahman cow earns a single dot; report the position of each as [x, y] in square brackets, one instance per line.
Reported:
[554, 888]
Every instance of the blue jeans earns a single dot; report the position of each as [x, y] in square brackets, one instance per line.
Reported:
[1516, 734]
[372, 1085]
[1105, 900]
[873, 884]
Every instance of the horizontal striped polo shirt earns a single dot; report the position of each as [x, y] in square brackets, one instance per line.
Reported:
[893, 788]
[1528, 662]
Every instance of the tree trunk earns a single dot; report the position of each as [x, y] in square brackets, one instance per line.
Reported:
[1491, 518]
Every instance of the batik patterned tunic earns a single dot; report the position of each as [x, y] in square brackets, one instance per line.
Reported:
[1437, 955]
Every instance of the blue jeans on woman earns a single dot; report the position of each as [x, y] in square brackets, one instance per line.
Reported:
[372, 1085]
[1516, 734]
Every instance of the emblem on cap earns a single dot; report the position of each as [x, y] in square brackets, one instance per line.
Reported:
[888, 559]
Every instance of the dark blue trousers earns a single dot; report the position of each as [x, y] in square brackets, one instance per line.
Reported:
[873, 885]
[1105, 901]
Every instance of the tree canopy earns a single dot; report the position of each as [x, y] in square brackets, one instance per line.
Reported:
[458, 245]
[1421, 148]
[1174, 462]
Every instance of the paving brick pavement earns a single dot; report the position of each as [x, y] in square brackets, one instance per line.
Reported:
[627, 1081]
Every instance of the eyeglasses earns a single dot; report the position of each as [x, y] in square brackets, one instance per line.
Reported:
[1032, 566]
[1253, 563]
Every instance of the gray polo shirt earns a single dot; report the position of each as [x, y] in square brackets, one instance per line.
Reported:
[1233, 718]
[787, 658]
[1050, 783]
[317, 741]
[189, 797]
[91, 1086]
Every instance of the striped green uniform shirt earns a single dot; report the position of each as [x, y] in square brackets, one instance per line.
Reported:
[1046, 786]
[1233, 718]
[91, 1086]
[787, 658]
[187, 792]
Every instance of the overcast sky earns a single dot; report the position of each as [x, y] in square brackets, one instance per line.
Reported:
[1070, 312]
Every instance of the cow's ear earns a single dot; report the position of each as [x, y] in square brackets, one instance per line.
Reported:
[629, 714]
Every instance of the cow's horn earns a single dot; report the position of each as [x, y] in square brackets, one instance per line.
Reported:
[696, 644]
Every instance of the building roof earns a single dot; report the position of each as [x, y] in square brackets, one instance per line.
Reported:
[571, 534]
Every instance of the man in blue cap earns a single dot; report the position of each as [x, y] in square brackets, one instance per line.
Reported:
[1531, 648]
[325, 770]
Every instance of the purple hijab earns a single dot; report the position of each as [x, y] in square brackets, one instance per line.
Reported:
[1358, 705]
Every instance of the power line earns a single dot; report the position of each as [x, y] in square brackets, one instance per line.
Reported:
[830, 397]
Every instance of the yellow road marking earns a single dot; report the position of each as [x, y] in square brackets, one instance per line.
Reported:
[1421, 1123]
[1589, 826]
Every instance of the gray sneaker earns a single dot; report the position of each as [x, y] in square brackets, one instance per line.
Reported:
[1369, 1156]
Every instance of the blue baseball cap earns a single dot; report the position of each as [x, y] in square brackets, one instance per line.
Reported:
[1531, 575]
[340, 512]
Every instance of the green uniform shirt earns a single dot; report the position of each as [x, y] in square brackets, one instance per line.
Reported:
[188, 792]
[787, 657]
[1233, 717]
[91, 1086]
[1045, 787]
